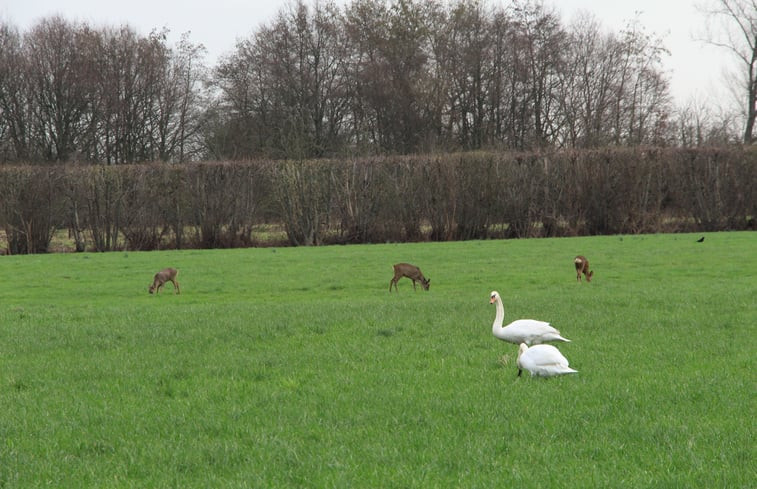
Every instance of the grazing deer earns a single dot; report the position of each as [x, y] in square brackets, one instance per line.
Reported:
[163, 276]
[582, 266]
[410, 271]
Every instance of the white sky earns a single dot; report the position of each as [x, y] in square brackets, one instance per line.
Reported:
[697, 71]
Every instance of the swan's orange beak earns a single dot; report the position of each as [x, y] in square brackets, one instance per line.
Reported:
[492, 300]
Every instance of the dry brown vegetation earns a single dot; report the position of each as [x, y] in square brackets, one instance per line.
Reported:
[438, 197]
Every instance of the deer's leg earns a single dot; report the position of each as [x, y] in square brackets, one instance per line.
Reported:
[176, 286]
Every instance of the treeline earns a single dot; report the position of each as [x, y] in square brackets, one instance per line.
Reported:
[325, 80]
[461, 196]
[70, 92]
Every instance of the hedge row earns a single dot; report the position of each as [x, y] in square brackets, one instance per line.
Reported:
[430, 197]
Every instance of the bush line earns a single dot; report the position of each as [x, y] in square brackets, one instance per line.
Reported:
[480, 195]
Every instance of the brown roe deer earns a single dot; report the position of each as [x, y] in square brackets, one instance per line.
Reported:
[410, 271]
[163, 276]
[582, 266]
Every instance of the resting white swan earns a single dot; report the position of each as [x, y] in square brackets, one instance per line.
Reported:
[528, 331]
[542, 361]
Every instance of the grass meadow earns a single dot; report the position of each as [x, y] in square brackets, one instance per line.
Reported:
[296, 368]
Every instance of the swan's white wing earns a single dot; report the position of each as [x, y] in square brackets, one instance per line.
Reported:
[545, 360]
[529, 331]
[548, 355]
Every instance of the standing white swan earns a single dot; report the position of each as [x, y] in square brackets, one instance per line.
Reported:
[542, 361]
[528, 331]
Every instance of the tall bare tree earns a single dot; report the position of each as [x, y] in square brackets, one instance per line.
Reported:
[586, 88]
[469, 71]
[58, 93]
[176, 118]
[15, 106]
[733, 27]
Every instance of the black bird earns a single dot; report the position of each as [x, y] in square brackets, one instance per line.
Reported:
[700, 239]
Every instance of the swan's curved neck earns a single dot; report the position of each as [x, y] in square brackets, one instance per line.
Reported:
[499, 318]
[521, 349]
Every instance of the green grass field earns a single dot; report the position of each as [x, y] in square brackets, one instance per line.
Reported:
[295, 367]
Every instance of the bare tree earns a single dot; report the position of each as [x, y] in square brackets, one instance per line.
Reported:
[176, 118]
[389, 71]
[469, 70]
[15, 107]
[585, 88]
[641, 102]
[732, 25]
[539, 36]
[696, 124]
[282, 92]
[58, 94]
[238, 122]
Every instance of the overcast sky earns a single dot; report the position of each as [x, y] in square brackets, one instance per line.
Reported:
[696, 70]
